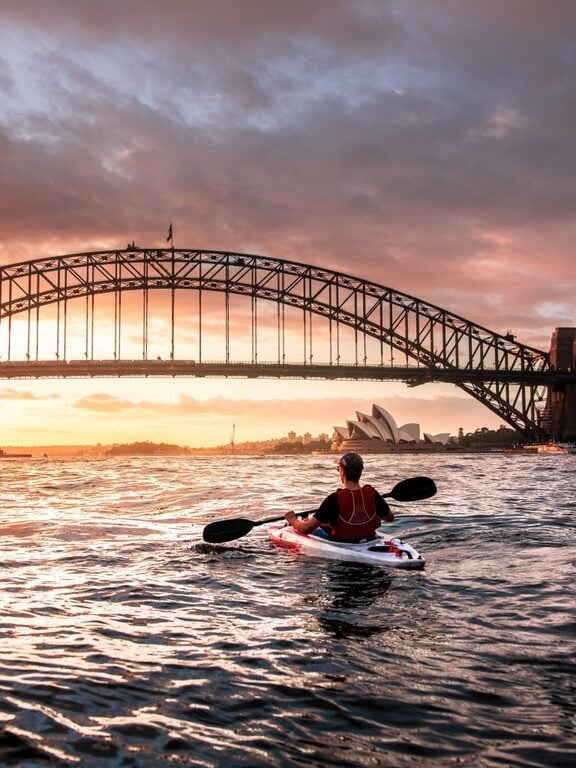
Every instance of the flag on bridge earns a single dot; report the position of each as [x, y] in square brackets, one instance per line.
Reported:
[169, 238]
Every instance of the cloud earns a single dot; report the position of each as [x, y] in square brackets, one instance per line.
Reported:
[437, 413]
[425, 146]
[14, 394]
[107, 403]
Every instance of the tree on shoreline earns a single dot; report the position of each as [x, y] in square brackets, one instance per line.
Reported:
[484, 437]
[147, 449]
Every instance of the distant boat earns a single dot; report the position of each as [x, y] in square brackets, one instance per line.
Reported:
[553, 448]
[4, 455]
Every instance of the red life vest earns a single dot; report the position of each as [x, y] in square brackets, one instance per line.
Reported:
[358, 518]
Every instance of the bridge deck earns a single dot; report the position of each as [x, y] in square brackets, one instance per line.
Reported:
[412, 375]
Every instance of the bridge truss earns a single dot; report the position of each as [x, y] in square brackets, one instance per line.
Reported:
[290, 320]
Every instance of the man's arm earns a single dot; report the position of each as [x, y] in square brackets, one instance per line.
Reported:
[307, 525]
[325, 515]
[383, 509]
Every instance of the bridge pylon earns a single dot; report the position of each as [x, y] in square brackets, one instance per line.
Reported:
[561, 404]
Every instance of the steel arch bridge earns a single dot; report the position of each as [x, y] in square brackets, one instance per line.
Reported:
[310, 322]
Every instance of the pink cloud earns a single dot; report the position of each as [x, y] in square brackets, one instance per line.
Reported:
[426, 151]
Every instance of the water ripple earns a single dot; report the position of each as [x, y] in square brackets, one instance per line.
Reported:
[128, 641]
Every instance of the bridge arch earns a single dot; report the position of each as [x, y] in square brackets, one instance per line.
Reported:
[508, 377]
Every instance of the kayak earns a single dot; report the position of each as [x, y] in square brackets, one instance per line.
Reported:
[381, 550]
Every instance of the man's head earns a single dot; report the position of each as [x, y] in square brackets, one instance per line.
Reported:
[352, 466]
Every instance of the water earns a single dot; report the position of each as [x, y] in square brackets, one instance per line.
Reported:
[126, 641]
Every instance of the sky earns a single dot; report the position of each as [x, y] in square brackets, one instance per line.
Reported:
[425, 146]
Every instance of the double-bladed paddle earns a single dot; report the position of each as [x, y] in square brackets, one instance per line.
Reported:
[411, 489]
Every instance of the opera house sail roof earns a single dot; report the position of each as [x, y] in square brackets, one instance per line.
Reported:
[379, 431]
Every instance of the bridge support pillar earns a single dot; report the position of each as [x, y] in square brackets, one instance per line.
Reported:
[562, 397]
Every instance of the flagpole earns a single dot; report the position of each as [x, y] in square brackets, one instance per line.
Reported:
[170, 239]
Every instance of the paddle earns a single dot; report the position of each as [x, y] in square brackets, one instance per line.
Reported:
[411, 489]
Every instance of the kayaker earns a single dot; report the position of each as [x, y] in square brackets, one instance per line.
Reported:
[352, 513]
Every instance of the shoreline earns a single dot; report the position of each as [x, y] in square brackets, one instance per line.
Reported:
[106, 451]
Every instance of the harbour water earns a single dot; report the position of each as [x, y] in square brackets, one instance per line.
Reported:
[127, 641]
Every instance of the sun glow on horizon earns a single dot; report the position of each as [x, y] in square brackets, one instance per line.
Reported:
[201, 412]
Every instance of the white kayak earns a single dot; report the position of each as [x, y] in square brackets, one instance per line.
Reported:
[382, 550]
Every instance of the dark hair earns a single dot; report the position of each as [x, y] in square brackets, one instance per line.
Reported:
[352, 466]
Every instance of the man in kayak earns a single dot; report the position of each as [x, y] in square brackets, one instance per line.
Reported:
[352, 513]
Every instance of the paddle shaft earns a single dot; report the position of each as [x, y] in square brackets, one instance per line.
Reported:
[281, 517]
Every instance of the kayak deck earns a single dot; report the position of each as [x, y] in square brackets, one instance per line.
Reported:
[384, 550]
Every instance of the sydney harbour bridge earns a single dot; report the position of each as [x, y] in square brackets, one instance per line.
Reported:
[188, 312]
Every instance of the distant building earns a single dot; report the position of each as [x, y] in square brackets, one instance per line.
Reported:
[379, 433]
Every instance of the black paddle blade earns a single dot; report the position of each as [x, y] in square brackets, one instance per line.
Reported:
[226, 530]
[413, 489]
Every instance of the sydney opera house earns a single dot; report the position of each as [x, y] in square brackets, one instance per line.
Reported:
[379, 433]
